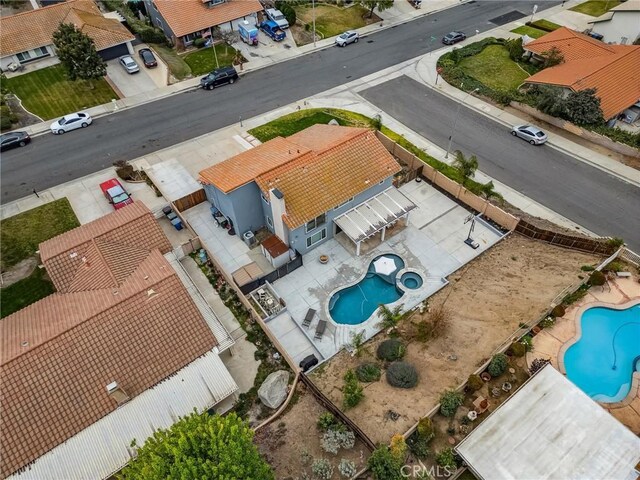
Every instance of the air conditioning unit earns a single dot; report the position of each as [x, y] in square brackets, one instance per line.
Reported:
[249, 238]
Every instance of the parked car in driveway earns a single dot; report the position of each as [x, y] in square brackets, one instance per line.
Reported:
[220, 76]
[13, 140]
[148, 58]
[347, 37]
[531, 134]
[70, 122]
[115, 193]
[129, 64]
[453, 37]
[277, 16]
[272, 30]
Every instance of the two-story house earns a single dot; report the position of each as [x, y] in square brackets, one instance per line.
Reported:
[297, 186]
[620, 25]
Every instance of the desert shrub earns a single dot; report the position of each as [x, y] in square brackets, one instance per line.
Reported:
[418, 445]
[402, 375]
[614, 266]
[347, 468]
[558, 311]
[199, 42]
[437, 321]
[597, 278]
[384, 466]
[587, 268]
[517, 349]
[617, 135]
[547, 322]
[322, 468]
[334, 440]
[368, 372]
[446, 458]
[352, 390]
[474, 382]
[391, 350]
[326, 422]
[376, 122]
[537, 364]
[450, 400]
[498, 365]
[425, 428]
[398, 446]
[527, 341]
[124, 170]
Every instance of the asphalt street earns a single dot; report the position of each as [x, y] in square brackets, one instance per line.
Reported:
[50, 160]
[588, 196]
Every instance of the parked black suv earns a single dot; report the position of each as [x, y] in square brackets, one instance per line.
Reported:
[219, 77]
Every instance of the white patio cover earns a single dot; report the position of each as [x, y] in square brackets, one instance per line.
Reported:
[371, 216]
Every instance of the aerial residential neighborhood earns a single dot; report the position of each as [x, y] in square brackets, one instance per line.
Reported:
[359, 239]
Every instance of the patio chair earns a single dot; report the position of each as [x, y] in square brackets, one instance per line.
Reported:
[309, 318]
[322, 325]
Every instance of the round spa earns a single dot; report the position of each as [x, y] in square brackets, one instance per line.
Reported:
[411, 280]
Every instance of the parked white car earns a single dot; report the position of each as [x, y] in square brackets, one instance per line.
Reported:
[71, 122]
[346, 38]
[531, 134]
[278, 17]
[129, 64]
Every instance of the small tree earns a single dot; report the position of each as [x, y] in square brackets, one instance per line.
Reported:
[466, 166]
[552, 57]
[384, 466]
[391, 350]
[357, 343]
[488, 191]
[515, 49]
[389, 318]
[583, 107]
[597, 278]
[228, 37]
[398, 447]
[450, 400]
[77, 53]
[352, 390]
[200, 446]
[498, 365]
[381, 5]
[551, 101]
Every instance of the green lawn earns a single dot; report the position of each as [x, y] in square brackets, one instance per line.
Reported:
[21, 234]
[332, 20]
[203, 61]
[290, 124]
[25, 292]
[529, 31]
[494, 68]
[595, 8]
[546, 25]
[175, 62]
[49, 94]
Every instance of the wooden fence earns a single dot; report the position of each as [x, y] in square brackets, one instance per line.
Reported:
[583, 244]
[329, 405]
[191, 200]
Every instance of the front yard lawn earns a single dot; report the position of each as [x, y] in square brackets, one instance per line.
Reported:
[203, 61]
[21, 234]
[25, 292]
[332, 20]
[177, 66]
[494, 68]
[529, 31]
[547, 25]
[49, 94]
[293, 123]
[595, 8]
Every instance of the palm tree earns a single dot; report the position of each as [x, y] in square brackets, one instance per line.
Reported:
[487, 190]
[466, 166]
[389, 319]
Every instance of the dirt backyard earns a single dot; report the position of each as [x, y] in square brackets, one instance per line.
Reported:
[486, 301]
[292, 442]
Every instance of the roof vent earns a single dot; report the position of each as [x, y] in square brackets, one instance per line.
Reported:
[25, 343]
[73, 255]
[146, 277]
[116, 392]
[151, 293]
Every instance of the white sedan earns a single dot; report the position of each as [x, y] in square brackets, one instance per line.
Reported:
[71, 122]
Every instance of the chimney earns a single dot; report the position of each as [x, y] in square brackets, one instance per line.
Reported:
[117, 393]
[278, 208]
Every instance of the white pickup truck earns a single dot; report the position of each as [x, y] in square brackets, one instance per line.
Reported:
[277, 16]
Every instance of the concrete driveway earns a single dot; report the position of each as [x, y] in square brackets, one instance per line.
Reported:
[130, 84]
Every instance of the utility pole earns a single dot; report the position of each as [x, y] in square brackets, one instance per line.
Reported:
[313, 14]
[213, 45]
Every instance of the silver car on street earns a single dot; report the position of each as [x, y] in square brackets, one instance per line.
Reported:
[531, 134]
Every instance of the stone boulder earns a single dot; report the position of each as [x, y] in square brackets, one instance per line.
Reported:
[273, 390]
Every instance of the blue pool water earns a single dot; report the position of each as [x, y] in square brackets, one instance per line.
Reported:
[603, 360]
[411, 280]
[353, 305]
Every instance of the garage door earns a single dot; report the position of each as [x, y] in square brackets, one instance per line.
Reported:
[114, 52]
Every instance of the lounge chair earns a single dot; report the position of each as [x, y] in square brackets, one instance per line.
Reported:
[309, 318]
[322, 325]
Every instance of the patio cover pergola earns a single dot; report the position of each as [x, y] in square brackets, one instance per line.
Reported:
[374, 215]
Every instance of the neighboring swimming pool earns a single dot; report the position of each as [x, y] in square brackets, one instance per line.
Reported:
[355, 304]
[603, 360]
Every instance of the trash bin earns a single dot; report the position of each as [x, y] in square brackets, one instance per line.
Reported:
[307, 362]
[177, 223]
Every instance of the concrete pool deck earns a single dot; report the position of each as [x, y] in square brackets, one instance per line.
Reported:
[550, 343]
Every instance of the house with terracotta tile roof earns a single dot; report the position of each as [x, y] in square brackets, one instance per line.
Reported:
[28, 37]
[620, 25]
[303, 187]
[613, 70]
[185, 20]
[123, 347]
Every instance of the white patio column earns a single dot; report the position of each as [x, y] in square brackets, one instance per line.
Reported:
[357, 249]
[384, 231]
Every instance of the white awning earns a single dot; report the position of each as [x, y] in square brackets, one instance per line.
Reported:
[368, 218]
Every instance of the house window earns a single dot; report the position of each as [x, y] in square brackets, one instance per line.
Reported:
[34, 54]
[316, 237]
[315, 223]
[344, 203]
[216, 2]
[623, 40]
[269, 222]
[264, 198]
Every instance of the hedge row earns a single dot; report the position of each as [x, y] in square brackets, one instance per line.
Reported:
[146, 32]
